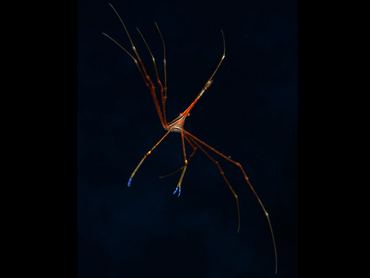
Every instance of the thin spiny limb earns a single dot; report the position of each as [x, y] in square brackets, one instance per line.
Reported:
[195, 139]
[163, 94]
[156, 72]
[148, 82]
[223, 56]
[178, 187]
[132, 57]
[222, 173]
[208, 83]
[145, 156]
[146, 78]
[192, 154]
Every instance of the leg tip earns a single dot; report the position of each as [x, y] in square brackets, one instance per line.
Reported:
[178, 189]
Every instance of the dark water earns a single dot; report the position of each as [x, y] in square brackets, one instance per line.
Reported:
[249, 113]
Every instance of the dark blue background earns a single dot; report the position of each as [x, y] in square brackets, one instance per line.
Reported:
[249, 113]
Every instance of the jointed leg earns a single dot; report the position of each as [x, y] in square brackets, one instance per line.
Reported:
[222, 173]
[145, 156]
[192, 154]
[178, 187]
[196, 141]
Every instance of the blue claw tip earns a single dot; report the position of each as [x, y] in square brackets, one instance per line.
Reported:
[129, 182]
[179, 190]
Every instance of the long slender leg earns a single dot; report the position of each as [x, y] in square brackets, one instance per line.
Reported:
[140, 65]
[195, 139]
[209, 82]
[223, 175]
[145, 156]
[164, 96]
[178, 187]
[192, 154]
[156, 72]
[163, 89]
